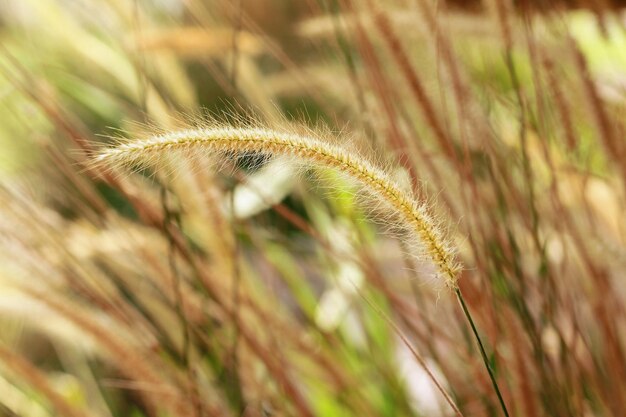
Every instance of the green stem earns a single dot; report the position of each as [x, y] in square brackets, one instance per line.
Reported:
[482, 350]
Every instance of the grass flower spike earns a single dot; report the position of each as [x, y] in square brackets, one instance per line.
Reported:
[311, 149]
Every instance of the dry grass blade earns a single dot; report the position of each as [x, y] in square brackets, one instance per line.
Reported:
[36, 379]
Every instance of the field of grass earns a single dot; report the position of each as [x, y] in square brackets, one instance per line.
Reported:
[312, 208]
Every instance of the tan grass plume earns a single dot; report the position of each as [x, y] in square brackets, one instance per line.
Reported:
[311, 149]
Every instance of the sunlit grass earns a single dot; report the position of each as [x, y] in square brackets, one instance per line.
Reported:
[218, 265]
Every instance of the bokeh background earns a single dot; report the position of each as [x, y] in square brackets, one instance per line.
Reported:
[262, 290]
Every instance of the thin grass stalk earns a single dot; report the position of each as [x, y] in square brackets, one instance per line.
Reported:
[384, 92]
[483, 353]
[414, 353]
[416, 86]
[128, 358]
[36, 379]
[168, 219]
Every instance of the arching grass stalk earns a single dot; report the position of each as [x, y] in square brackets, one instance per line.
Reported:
[414, 216]
[311, 148]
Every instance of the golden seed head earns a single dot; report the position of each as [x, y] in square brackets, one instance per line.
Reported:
[413, 215]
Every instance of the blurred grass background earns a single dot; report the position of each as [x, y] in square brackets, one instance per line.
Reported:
[264, 293]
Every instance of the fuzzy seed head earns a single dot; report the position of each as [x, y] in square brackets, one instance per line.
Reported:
[311, 149]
